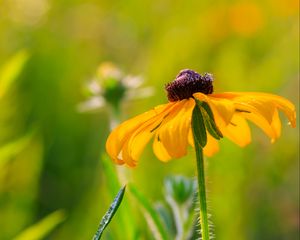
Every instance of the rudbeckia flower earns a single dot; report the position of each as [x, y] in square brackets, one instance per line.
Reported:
[169, 125]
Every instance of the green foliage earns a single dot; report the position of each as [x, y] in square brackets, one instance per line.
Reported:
[42, 228]
[9, 150]
[152, 216]
[179, 188]
[173, 217]
[181, 196]
[11, 70]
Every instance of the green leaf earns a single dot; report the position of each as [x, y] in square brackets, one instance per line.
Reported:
[11, 70]
[198, 127]
[167, 217]
[41, 229]
[11, 149]
[180, 188]
[210, 121]
[180, 195]
[110, 213]
[152, 216]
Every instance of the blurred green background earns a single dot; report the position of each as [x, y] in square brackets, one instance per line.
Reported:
[51, 155]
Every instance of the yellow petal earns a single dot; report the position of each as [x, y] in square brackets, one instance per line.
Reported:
[211, 147]
[264, 103]
[221, 107]
[285, 105]
[191, 138]
[261, 122]
[173, 133]
[261, 109]
[250, 103]
[276, 124]
[119, 135]
[272, 130]
[160, 150]
[137, 141]
[237, 131]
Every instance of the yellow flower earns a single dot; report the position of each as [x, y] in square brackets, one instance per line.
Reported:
[170, 124]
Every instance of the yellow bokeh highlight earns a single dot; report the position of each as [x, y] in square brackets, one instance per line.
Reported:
[246, 18]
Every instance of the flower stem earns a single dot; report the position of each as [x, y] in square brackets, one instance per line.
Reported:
[202, 193]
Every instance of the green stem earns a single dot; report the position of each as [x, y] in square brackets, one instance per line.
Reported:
[202, 193]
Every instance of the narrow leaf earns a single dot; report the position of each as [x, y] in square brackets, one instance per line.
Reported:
[11, 149]
[110, 213]
[41, 229]
[198, 127]
[210, 121]
[210, 125]
[11, 70]
[151, 215]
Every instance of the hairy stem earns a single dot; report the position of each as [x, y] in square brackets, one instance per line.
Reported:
[202, 193]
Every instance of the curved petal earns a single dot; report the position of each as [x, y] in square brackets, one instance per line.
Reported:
[276, 124]
[221, 107]
[261, 109]
[264, 103]
[262, 123]
[159, 150]
[136, 142]
[237, 131]
[272, 130]
[283, 104]
[119, 135]
[173, 133]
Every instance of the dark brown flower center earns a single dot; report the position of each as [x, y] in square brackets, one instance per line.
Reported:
[188, 82]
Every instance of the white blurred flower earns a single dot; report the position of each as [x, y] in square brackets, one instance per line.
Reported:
[91, 104]
[111, 87]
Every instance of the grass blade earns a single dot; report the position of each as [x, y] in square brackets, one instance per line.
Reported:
[110, 213]
[43, 227]
[11, 149]
[11, 70]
